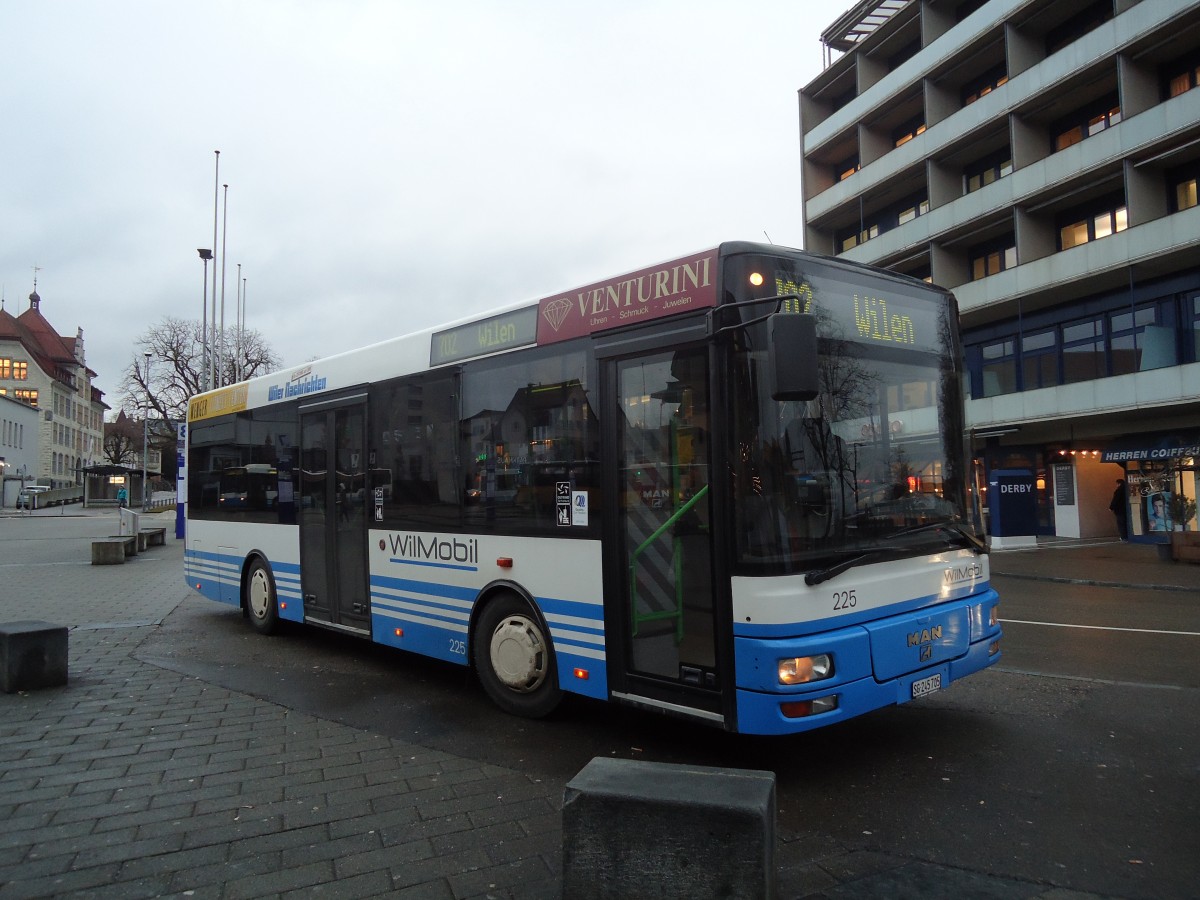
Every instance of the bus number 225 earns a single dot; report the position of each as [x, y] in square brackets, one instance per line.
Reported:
[457, 647]
[844, 600]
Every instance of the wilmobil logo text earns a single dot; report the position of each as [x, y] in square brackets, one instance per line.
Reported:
[432, 550]
[956, 574]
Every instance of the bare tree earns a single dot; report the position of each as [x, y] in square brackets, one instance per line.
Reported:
[122, 440]
[177, 371]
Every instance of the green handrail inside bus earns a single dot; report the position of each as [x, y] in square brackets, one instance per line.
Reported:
[677, 612]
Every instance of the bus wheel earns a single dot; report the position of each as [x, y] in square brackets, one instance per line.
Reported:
[261, 604]
[514, 660]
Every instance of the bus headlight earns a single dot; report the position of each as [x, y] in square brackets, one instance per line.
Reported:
[803, 669]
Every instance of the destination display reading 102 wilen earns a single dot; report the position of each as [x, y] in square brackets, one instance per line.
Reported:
[878, 314]
[502, 332]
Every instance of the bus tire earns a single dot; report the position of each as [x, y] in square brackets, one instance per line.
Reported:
[514, 659]
[262, 605]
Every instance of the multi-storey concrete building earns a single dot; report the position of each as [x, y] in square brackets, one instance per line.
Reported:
[1039, 158]
[49, 372]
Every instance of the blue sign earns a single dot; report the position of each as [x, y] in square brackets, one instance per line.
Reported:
[1012, 502]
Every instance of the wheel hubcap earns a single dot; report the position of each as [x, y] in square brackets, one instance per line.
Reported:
[518, 654]
[260, 594]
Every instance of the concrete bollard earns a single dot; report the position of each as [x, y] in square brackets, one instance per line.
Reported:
[32, 655]
[643, 829]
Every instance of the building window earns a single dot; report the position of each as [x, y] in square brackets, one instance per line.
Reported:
[849, 240]
[913, 208]
[1195, 315]
[1138, 343]
[1182, 183]
[989, 259]
[999, 367]
[26, 396]
[846, 168]
[1084, 123]
[1078, 25]
[1083, 351]
[20, 370]
[908, 131]
[1039, 360]
[1080, 226]
[904, 54]
[5, 367]
[1185, 194]
[984, 85]
[1181, 76]
[987, 170]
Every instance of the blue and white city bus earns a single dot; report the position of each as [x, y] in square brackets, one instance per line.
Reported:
[732, 487]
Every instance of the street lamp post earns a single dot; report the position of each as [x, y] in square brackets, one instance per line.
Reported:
[146, 433]
[205, 255]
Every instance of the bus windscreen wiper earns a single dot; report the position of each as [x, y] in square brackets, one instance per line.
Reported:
[953, 529]
[817, 576]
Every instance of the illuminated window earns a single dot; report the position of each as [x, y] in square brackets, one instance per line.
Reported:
[846, 167]
[987, 170]
[984, 85]
[992, 258]
[848, 241]
[26, 396]
[1181, 76]
[5, 367]
[1086, 122]
[1185, 194]
[1083, 225]
[20, 370]
[908, 131]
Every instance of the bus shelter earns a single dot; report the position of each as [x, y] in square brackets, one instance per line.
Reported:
[101, 483]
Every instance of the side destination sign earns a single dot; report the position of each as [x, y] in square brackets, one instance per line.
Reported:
[489, 335]
[217, 403]
[679, 286]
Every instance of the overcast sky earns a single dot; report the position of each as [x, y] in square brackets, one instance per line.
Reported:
[391, 165]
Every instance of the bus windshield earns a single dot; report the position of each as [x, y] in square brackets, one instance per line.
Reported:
[874, 465]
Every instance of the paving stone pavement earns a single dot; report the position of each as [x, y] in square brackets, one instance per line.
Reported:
[137, 781]
[134, 781]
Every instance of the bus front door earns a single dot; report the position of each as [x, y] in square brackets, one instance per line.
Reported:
[664, 565]
[332, 515]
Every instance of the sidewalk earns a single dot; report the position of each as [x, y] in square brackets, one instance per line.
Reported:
[137, 781]
[1100, 562]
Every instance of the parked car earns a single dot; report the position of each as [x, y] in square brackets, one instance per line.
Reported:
[25, 498]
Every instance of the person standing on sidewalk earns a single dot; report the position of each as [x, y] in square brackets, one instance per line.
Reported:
[1121, 509]
[122, 496]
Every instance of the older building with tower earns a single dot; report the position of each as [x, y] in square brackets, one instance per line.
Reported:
[48, 372]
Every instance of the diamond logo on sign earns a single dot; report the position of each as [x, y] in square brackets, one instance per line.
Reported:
[556, 312]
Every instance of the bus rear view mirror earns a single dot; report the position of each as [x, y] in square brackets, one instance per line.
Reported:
[792, 356]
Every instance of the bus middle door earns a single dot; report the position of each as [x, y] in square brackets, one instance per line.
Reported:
[332, 514]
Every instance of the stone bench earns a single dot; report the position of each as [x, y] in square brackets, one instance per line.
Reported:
[111, 551]
[152, 537]
[32, 655]
[642, 829]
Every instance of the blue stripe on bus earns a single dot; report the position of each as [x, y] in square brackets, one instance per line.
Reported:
[433, 619]
[217, 576]
[434, 565]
